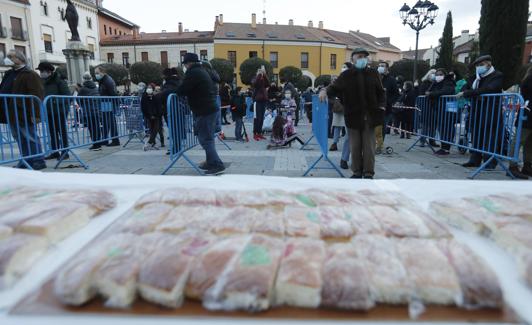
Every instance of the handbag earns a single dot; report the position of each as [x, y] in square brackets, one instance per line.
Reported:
[337, 107]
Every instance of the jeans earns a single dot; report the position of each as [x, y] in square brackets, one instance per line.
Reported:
[218, 128]
[238, 128]
[346, 150]
[337, 130]
[260, 110]
[205, 129]
[28, 141]
[109, 127]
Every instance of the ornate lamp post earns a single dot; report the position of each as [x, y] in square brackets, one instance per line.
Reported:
[418, 18]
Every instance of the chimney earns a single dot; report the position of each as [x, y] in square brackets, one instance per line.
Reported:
[217, 21]
[221, 19]
[253, 20]
[465, 33]
[135, 32]
[180, 28]
[291, 22]
[264, 21]
[163, 31]
[310, 23]
[320, 25]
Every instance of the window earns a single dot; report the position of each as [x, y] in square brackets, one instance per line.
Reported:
[253, 54]
[182, 55]
[44, 8]
[110, 57]
[333, 61]
[89, 22]
[120, 32]
[164, 59]
[47, 38]
[144, 56]
[20, 49]
[274, 59]
[275, 79]
[231, 56]
[304, 60]
[204, 55]
[110, 31]
[116, 32]
[105, 29]
[2, 50]
[125, 59]
[16, 28]
[92, 49]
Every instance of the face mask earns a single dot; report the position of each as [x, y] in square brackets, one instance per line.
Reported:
[482, 70]
[149, 91]
[381, 70]
[45, 75]
[98, 76]
[361, 63]
[287, 96]
[439, 78]
[432, 77]
[185, 69]
[8, 62]
[405, 89]
[416, 84]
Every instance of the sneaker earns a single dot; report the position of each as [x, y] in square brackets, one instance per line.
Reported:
[256, 137]
[356, 177]
[368, 176]
[334, 147]
[344, 164]
[433, 144]
[203, 166]
[55, 155]
[262, 137]
[154, 147]
[38, 166]
[471, 164]
[113, 144]
[215, 171]
[442, 152]
[147, 147]
[515, 172]
[65, 157]
[95, 147]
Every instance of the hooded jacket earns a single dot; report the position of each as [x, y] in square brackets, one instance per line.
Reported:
[200, 90]
[54, 85]
[88, 89]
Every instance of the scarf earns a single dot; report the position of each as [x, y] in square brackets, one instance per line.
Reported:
[479, 77]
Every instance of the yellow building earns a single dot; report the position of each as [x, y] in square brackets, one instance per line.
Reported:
[315, 51]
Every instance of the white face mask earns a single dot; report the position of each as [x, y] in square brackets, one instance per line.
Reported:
[439, 78]
[416, 84]
[45, 75]
[288, 96]
[381, 70]
[8, 62]
[185, 69]
[149, 91]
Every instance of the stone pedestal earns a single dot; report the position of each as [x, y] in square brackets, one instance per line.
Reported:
[78, 59]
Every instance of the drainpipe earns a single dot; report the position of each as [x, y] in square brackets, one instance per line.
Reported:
[135, 52]
[263, 45]
[321, 50]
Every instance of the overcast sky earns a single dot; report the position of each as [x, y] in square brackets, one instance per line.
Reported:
[377, 17]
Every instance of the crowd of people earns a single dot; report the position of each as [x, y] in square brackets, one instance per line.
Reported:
[366, 103]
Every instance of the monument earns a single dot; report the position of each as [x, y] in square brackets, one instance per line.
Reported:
[77, 54]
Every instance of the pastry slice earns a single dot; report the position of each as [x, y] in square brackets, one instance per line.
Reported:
[302, 222]
[334, 225]
[362, 221]
[179, 196]
[184, 218]
[346, 282]
[395, 223]
[274, 199]
[300, 280]
[514, 234]
[462, 214]
[5, 232]
[17, 255]
[100, 201]
[143, 220]
[247, 282]
[269, 222]
[235, 221]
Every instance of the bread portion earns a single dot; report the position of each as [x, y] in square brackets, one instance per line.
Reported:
[462, 214]
[235, 221]
[300, 279]
[400, 224]
[5, 232]
[269, 222]
[333, 224]
[143, 220]
[434, 279]
[302, 222]
[17, 255]
[362, 220]
[179, 196]
[100, 201]
[183, 218]
[247, 282]
[345, 280]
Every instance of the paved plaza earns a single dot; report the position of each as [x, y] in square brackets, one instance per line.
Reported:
[252, 158]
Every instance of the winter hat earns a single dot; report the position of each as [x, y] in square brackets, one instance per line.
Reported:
[87, 76]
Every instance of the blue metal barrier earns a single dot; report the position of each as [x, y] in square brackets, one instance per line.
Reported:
[249, 108]
[23, 130]
[488, 126]
[320, 119]
[181, 131]
[219, 132]
[97, 121]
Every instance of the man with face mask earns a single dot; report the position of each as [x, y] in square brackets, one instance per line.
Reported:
[486, 119]
[392, 95]
[201, 92]
[362, 94]
[107, 88]
[57, 109]
[21, 80]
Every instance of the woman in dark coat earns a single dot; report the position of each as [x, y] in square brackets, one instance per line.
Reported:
[152, 111]
[260, 97]
[406, 114]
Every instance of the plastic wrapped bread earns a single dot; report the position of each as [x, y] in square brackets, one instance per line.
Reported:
[179, 196]
[462, 214]
[388, 279]
[301, 222]
[512, 233]
[257, 199]
[345, 279]
[191, 218]
[396, 224]
[362, 221]
[388, 198]
[526, 268]
[143, 220]
[299, 279]
[25, 212]
[269, 222]
[76, 283]
[5, 232]
[313, 198]
[247, 281]
[480, 286]
[98, 200]
[235, 221]
[433, 277]
[506, 204]
[428, 227]
[208, 266]
[58, 224]
[334, 225]
[17, 255]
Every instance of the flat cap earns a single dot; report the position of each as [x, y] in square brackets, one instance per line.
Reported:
[482, 58]
[360, 50]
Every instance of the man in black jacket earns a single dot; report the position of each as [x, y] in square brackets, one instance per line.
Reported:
[107, 88]
[445, 120]
[360, 90]
[201, 93]
[486, 118]
[91, 113]
[392, 95]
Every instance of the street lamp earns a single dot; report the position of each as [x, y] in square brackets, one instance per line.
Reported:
[418, 17]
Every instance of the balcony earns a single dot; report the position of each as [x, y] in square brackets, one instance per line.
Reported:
[3, 32]
[19, 35]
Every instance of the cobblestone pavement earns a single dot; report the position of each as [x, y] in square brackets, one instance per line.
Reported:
[252, 158]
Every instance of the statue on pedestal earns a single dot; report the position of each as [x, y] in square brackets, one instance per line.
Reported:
[72, 19]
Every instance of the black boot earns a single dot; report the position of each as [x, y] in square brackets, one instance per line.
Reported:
[527, 169]
[433, 144]
[514, 170]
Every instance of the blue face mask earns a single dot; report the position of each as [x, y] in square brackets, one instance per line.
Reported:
[99, 76]
[361, 63]
[482, 70]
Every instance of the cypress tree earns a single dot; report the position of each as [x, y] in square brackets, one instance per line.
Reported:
[446, 58]
[503, 26]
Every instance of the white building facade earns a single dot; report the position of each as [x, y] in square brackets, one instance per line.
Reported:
[51, 33]
[15, 29]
